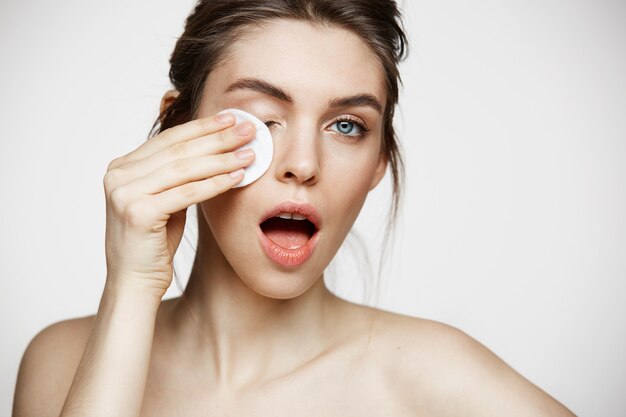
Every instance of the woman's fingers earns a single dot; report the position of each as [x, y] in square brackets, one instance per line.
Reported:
[178, 198]
[176, 134]
[216, 143]
[182, 171]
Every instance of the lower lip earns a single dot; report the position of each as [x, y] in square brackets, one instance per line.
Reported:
[287, 257]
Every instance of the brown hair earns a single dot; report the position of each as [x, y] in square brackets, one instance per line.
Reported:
[215, 24]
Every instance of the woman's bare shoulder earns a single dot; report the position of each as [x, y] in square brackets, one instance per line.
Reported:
[441, 370]
[48, 366]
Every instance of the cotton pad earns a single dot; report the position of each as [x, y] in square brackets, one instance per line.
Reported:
[262, 145]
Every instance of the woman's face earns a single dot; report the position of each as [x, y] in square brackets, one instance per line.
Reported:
[322, 155]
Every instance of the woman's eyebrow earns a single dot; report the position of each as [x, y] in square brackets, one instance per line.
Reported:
[260, 86]
[357, 100]
[267, 88]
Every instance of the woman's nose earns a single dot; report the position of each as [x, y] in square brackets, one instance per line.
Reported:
[297, 155]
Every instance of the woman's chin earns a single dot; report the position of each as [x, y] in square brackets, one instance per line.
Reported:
[280, 286]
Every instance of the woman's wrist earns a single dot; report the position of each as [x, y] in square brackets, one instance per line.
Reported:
[125, 288]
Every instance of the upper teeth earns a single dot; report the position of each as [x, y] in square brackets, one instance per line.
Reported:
[292, 216]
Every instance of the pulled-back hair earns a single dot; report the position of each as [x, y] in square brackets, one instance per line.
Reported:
[214, 25]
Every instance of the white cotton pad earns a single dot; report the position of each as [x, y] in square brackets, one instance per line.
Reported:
[262, 145]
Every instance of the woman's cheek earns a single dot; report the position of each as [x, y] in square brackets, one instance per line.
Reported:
[351, 170]
[349, 176]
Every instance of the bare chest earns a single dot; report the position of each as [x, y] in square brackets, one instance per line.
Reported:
[330, 389]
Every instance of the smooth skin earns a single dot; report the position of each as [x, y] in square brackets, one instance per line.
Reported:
[253, 338]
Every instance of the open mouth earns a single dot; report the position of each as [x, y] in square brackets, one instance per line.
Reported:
[289, 231]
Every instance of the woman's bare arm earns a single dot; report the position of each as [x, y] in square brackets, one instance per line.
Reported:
[111, 376]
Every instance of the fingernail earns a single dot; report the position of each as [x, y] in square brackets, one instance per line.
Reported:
[224, 118]
[236, 174]
[244, 128]
[244, 153]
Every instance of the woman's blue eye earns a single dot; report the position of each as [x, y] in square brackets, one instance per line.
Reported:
[346, 126]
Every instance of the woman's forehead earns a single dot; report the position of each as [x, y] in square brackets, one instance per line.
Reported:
[306, 59]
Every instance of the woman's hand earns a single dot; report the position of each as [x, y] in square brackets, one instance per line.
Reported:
[148, 192]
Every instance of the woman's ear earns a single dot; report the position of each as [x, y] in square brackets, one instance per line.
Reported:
[167, 99]
[379, 173]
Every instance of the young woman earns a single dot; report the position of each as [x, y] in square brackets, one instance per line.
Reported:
[256, 332]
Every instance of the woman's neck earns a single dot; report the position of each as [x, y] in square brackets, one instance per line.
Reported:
[238, 336]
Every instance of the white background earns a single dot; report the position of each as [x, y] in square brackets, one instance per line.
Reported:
[513, 124]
